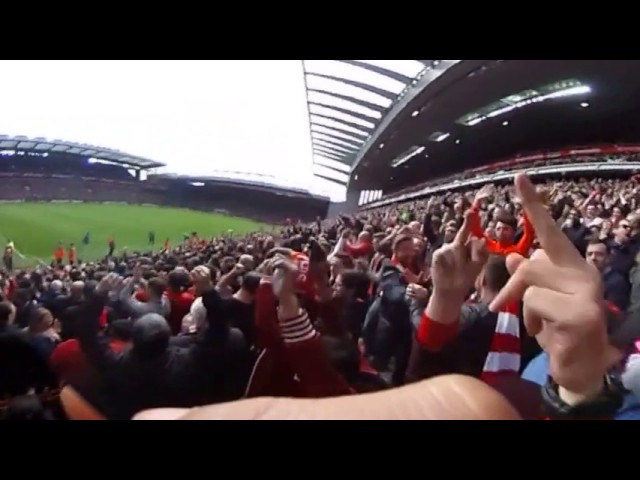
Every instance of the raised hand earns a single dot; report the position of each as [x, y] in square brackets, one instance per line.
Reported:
[563, 303]
[484, 193]
[454, 269]
[109, 283]
[285, 272]
[418, 292]
[456, 265]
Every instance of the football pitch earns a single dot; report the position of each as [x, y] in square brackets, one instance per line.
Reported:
[36, 228]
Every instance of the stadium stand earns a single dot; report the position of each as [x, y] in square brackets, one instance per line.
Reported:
[481, 294]
[62, 171]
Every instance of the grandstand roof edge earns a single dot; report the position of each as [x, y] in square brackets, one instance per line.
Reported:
[43, 145]
[403, 103]
[249, 183]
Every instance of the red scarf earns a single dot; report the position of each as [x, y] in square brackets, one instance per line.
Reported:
[504, 354]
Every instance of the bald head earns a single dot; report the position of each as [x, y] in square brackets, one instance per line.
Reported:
[247, 261]
[364, 237]
[150, 335]
[415, 227]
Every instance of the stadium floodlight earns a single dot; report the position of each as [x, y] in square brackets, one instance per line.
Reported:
[562, 89]
[439, 136]
[406, 156]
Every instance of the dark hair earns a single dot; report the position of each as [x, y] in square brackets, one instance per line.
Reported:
[149, 274]
[496, 274]
[22, 295]
[401, 239]
[99, 275]
[75, 275]
[597, 241]
[508, 220]
[385, 246]
[157, 286]
[251, 282]
[121, 329]
[316, 252]
[90, 287]
[177, 280]
[356, 282]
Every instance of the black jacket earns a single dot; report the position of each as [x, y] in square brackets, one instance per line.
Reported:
[466, 354]
[215, 368]
[387, 331]
[21, 366]
[617, 288]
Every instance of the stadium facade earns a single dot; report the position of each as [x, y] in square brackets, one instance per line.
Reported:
[457, 115]
[37, 169]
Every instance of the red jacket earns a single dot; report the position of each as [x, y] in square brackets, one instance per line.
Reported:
[293, 362]
[180, 305]
[522, 247]
[70, 364]
[360, 249]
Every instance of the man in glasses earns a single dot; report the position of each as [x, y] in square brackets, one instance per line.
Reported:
[623, 247]
[616, 285]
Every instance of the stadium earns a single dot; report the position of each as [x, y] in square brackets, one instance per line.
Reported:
[455, 119]
[64, 190]
[384, 135]
[487, 227]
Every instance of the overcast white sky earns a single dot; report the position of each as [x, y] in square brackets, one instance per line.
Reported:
[195, 116]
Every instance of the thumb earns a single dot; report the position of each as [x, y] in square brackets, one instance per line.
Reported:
[450, 397]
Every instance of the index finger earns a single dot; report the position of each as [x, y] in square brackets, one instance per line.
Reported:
[556, 244]
[465, 230]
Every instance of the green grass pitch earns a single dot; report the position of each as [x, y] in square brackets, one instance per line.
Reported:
[35, 228]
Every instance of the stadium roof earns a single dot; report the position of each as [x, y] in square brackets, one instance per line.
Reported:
[263, 182]
[348, 100]
[42, 145]
[482, 111]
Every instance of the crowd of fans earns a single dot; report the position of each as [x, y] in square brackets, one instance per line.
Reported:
[534, 322]
[267, 206]
[519, 163]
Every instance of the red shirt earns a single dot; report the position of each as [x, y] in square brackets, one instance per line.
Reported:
[71, 365]
[305, 282]
[180, 305]
[141, 296]
[360, 249]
